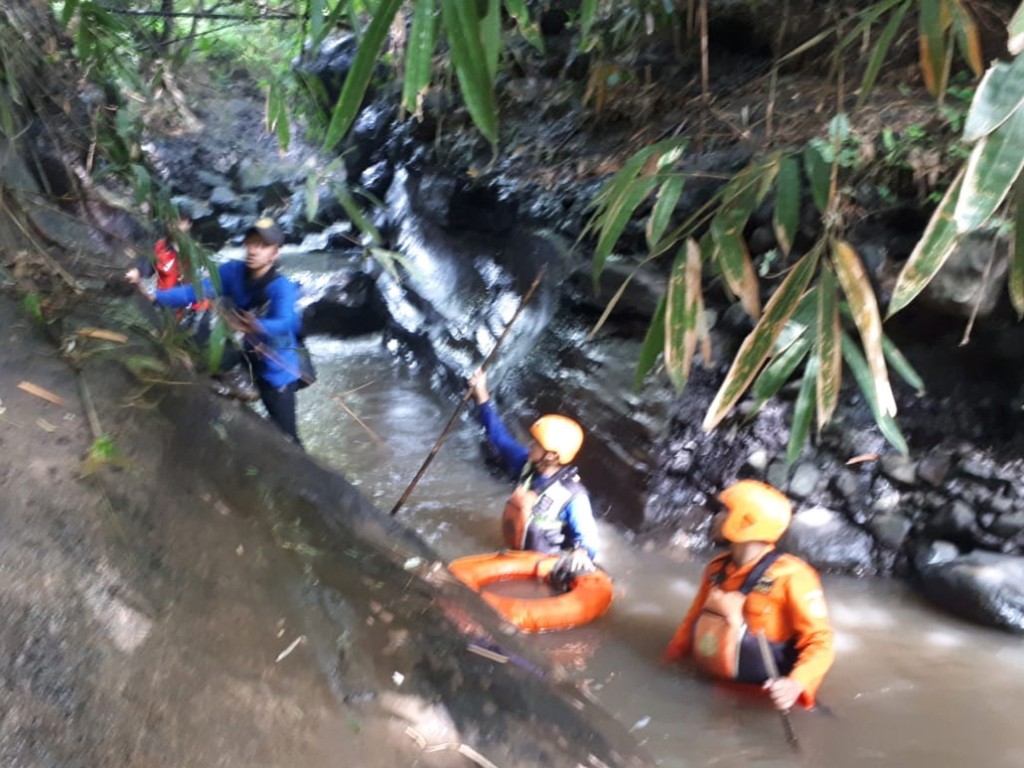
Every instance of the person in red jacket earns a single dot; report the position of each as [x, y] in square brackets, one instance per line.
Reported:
[166, 263]
[752, 590]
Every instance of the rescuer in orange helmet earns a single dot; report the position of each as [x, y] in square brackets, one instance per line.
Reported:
[549, 511]
[754, 588]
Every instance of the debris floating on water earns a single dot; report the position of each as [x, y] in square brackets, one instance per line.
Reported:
[287, 651]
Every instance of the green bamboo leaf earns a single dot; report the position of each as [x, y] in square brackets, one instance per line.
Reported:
[778, 370]
[588, 11]
[617, 216]
[419, 53]
[358, 78]
[739, 198]
[862, 375]
[142, 182]
[664, 206]
[219, 333]
[865, 20]
[315, 11]
[471, 64]
[999, 95]
[819, 174]
[1015, 44]
[490, 36]
[654, 343]
[881, 51]
[312, 196]
[787, 204]
[355, 214]
[683, 305]
[529, 29]
[1016, 281]
[930, 253]
[802, 412]
[932, 24]
[967, 37]
[827, 349]
[993, 167]
[902, 366]
[861, 297]
[637, 163]
[755, 348]
[733, 259]
[70, 6]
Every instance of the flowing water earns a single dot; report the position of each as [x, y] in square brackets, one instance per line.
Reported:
[910, 686]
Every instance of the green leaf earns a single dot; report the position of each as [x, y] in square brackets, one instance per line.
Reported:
[786, 218]
[316, 19]
[756, 347]
[419, 53]
[654, 343]
[1015, 44]
[683, 308]
[471, 64]
[490, 36]
[529, 29]
[862, 375]
[827, 351]
[999, 95]
[142, 182]
[930, 253]
[355, 213]
[739, 198]
[778, 371]
[861, 297]
[664, 206]
[881, 51]
[967, 37]
[219, 333]
[358, 78]
[617, 216]
[994, 165]
[802, 412]
[1016, 280]
[902, 366]
[312, 196]
[70, 6]
[932, 24]
[819, 174]
[588, 10]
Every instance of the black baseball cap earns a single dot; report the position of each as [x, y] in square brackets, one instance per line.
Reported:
[267, 230]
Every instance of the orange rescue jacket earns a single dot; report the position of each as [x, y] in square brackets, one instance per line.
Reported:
[788, 605]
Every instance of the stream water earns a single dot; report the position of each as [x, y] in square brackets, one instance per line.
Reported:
[910, 687]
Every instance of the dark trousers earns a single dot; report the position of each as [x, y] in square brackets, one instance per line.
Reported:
[280, 405]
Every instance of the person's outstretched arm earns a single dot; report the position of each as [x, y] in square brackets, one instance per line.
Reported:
[513, 453]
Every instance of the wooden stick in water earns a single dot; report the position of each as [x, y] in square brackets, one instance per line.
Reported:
[469, 392]
[773, 674]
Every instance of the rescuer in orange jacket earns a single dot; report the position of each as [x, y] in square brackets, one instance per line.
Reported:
[754, 588]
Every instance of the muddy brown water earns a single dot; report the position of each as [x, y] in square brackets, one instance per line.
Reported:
[910, 687]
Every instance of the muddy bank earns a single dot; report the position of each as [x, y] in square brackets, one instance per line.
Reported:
[207, 595]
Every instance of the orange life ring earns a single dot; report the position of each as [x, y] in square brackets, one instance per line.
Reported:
[590, 596]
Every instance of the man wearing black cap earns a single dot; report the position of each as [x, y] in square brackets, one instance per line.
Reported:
[259, 302]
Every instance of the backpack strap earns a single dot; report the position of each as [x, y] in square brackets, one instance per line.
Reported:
[755, 575]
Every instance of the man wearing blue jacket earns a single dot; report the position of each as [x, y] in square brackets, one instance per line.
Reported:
[549, 511]
[262, 308]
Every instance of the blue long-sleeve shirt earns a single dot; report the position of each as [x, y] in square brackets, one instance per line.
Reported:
[577, 516]
[277, 321]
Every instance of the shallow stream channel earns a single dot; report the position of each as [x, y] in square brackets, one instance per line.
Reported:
[910, 687]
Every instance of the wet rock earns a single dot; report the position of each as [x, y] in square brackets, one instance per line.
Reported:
[757, 461]
[983, 587]
[890, 530]
[805, 480]
[887, 501]
[955, 522]
[934, 468]
[1008, 526]
[934, 553]
[899, 468]
[976, 267]
[977, 469]
[778, 475]
[826, 539]
[351, 307]
[1001, 504]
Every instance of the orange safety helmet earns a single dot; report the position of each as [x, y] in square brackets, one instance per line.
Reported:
[558, 434]
[756, 512]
